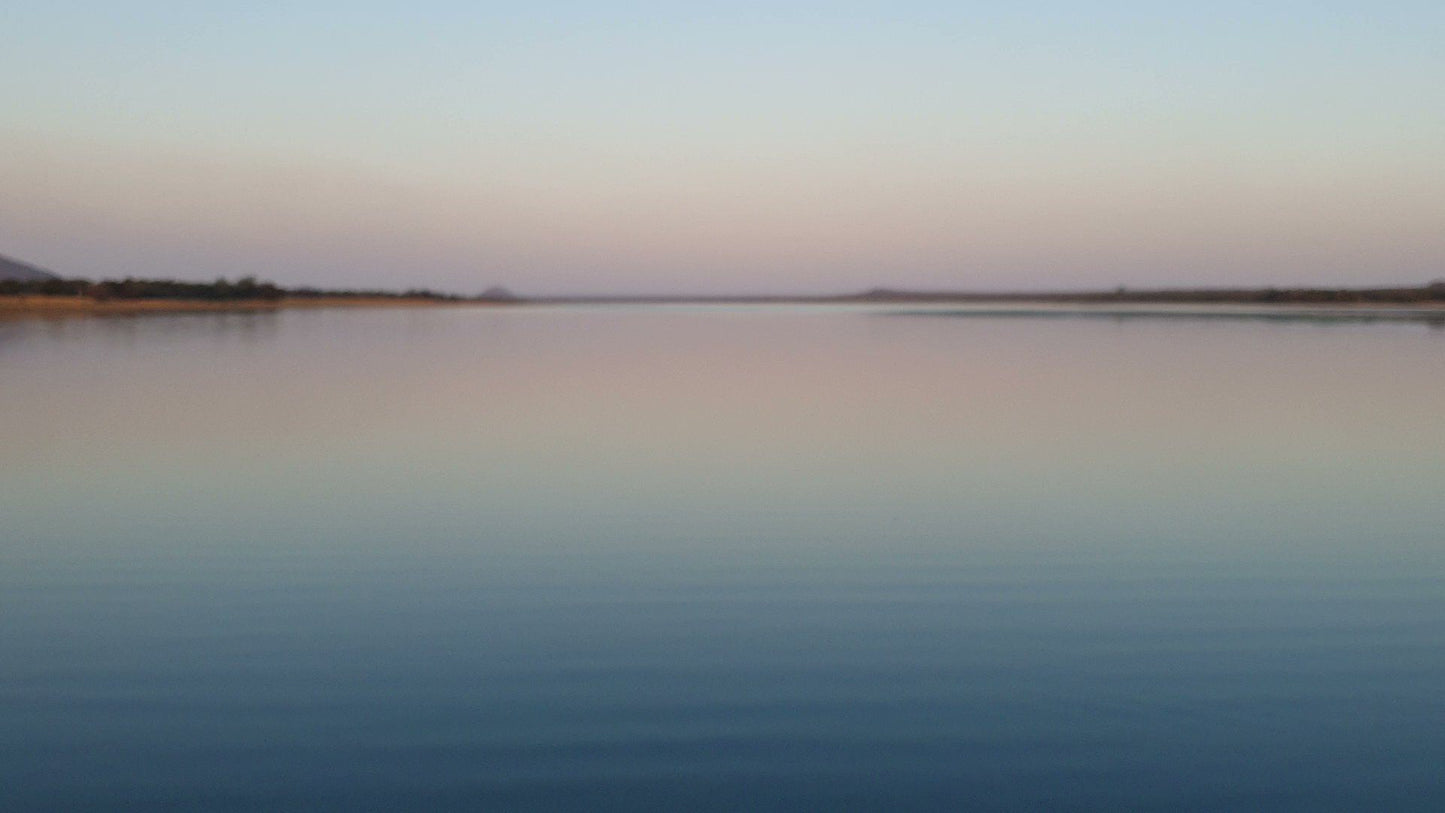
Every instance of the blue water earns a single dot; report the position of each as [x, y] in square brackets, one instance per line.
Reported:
[720, 558]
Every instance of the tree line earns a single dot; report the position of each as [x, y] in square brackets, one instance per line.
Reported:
[247, 289]
[1433, 292]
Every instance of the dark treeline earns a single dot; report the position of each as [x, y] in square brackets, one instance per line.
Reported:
[249, 289]
[1427, 293]
[1434, 292]
[246, 289]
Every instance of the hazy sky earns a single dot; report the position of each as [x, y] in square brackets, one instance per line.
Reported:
[707, 147]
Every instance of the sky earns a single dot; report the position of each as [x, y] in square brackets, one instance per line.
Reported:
[707, 147]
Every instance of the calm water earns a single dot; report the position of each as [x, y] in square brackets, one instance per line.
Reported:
[712, 558]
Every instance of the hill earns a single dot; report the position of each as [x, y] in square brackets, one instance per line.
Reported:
[16, 270]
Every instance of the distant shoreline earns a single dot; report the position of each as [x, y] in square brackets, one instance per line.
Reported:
[38, 305]
[1418, 303]
[1425, 296]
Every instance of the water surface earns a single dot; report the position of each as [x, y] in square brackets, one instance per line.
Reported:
[720, 558]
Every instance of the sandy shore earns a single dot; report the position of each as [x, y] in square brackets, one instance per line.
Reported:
[60, 306]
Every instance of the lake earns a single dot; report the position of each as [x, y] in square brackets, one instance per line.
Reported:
[743, 558]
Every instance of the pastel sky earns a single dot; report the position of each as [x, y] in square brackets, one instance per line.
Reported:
[708, 147]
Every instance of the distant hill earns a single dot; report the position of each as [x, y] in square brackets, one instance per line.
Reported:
[497, 293]
[16, 270]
